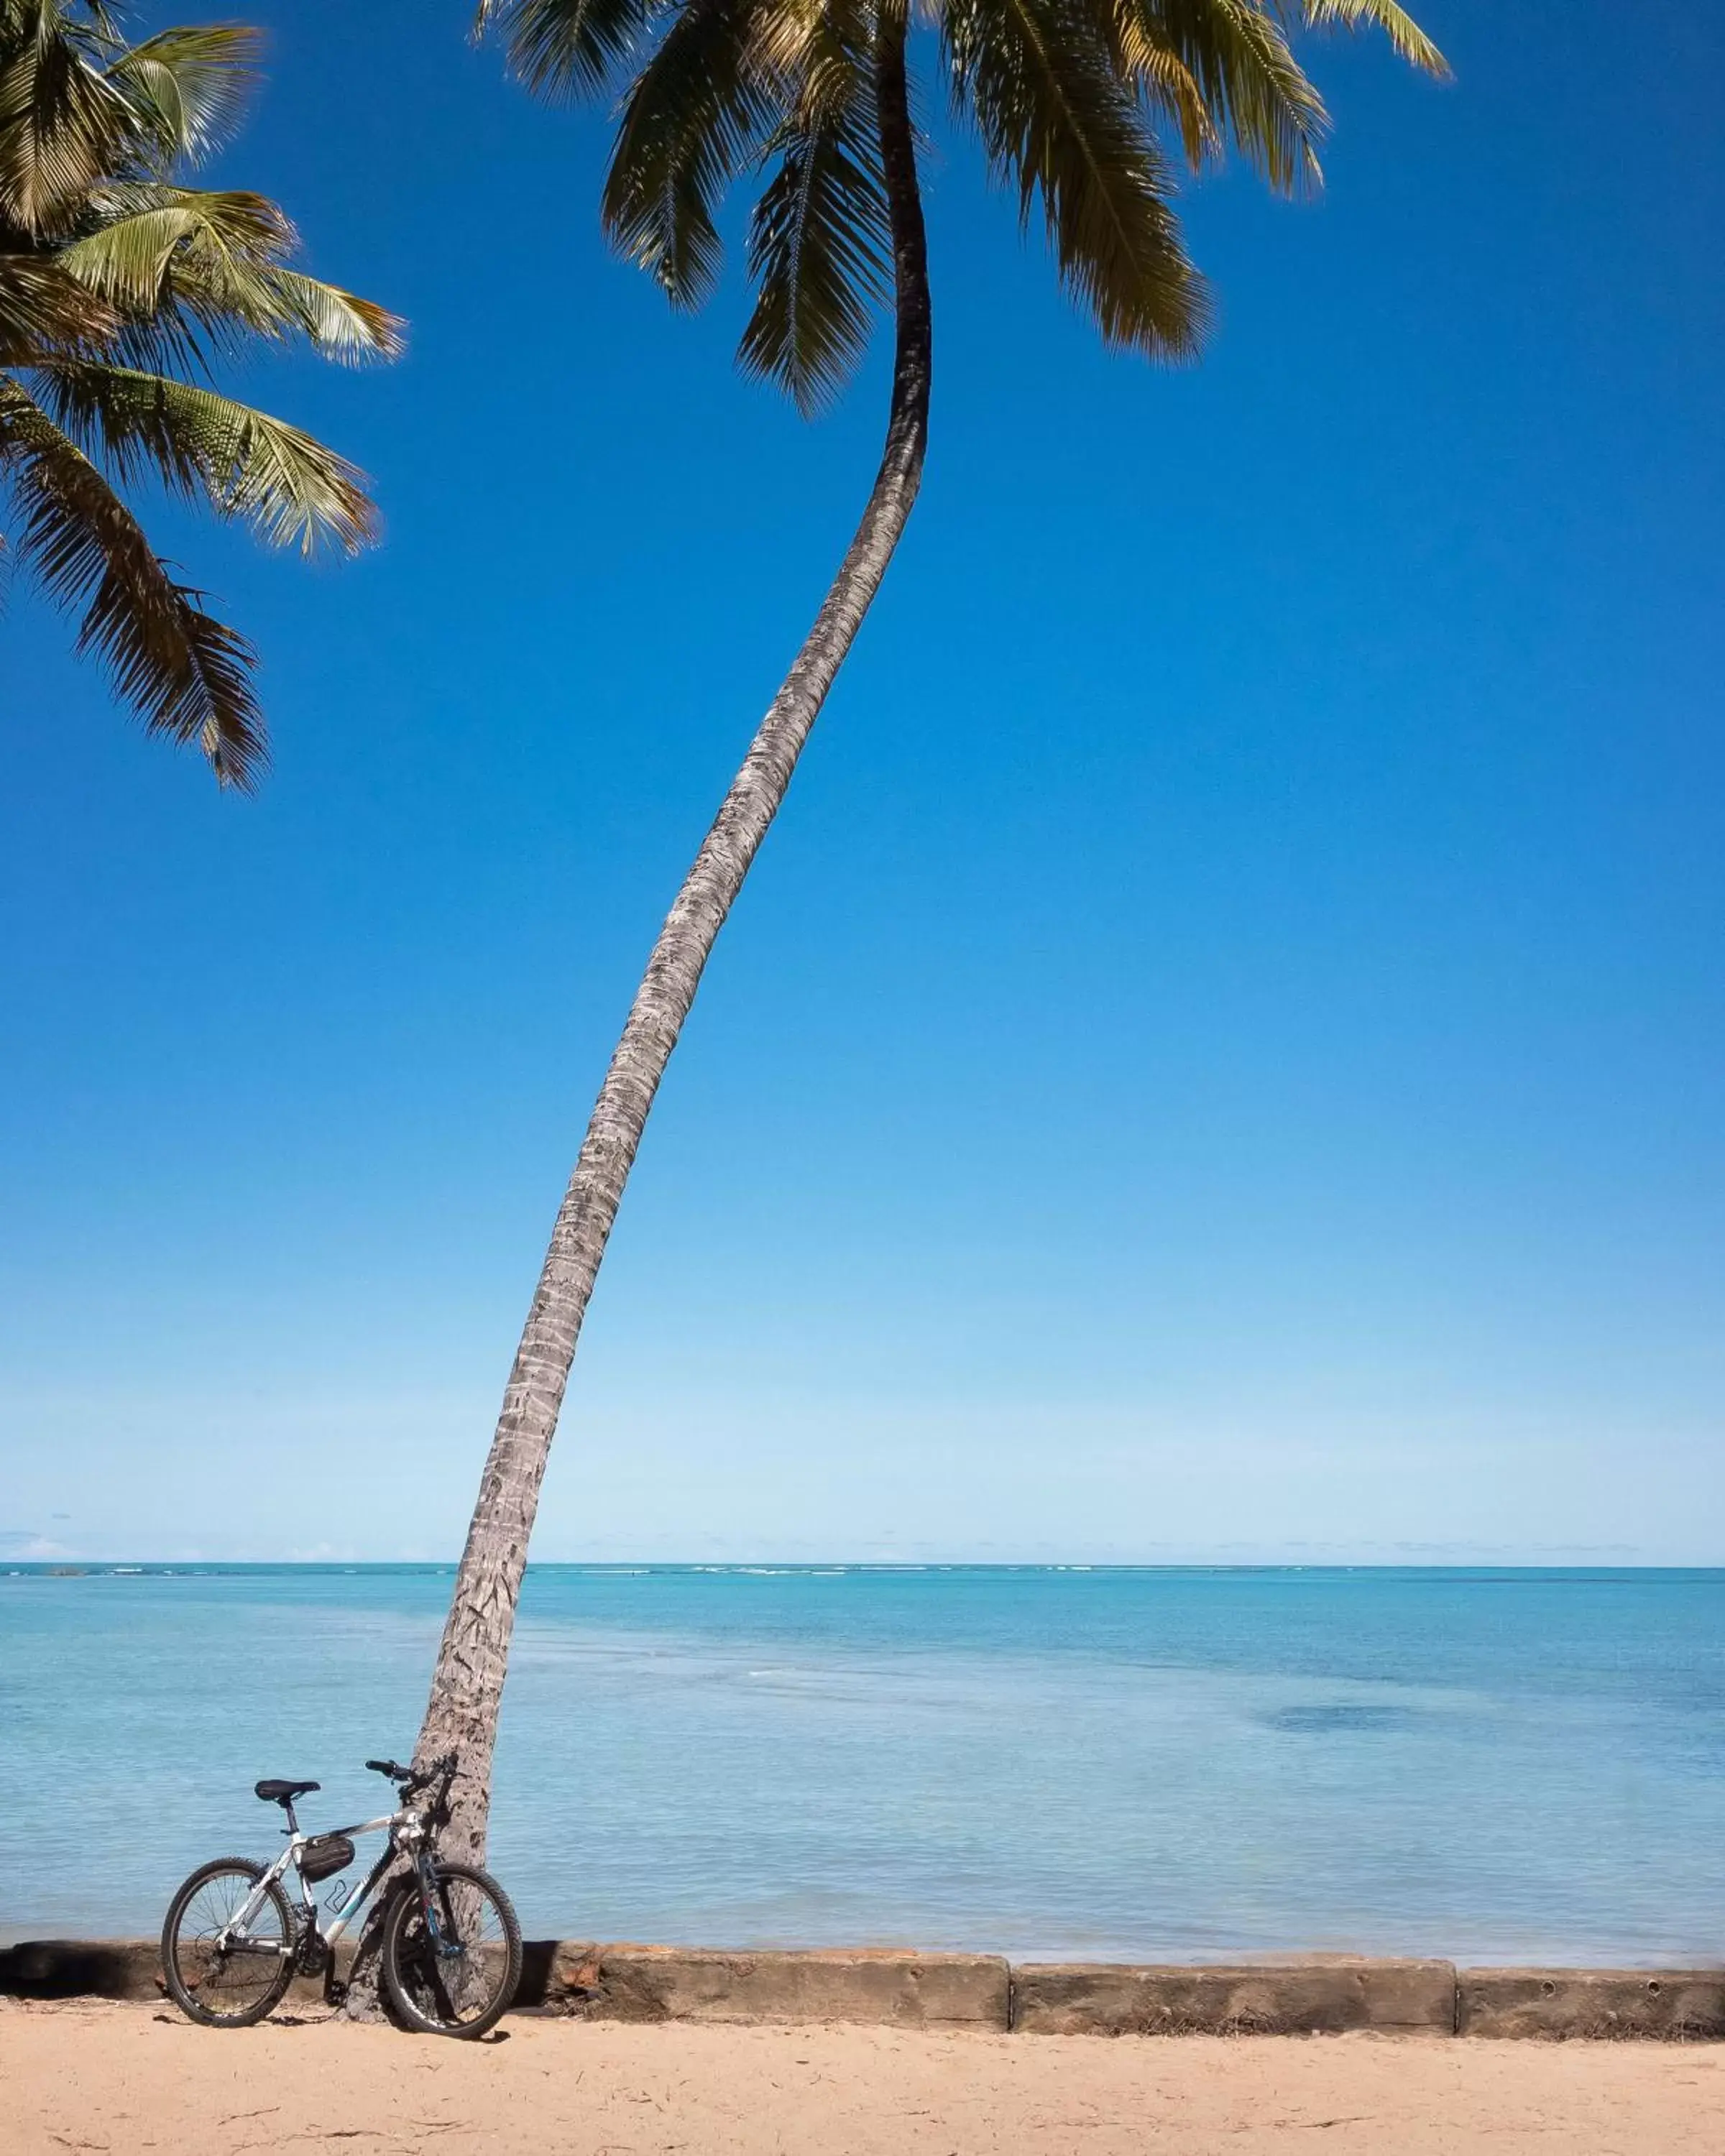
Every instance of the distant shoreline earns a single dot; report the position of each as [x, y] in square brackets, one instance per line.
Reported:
[771, 1568]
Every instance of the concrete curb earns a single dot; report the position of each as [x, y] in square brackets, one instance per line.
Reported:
[888, 1988]
[1098, 1999]
[1671, 2004]
[870, 1984]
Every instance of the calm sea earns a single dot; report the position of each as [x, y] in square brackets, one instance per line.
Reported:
[1127, 1764]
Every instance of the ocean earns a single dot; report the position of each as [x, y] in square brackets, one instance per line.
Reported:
[1044, 1762]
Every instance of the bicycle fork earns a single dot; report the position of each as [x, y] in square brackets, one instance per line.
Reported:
[318, 1951]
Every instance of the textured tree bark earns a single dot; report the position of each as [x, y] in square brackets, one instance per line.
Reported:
[467, 1686]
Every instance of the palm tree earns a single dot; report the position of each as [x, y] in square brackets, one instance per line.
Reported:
[1082, 108]
[119, 286]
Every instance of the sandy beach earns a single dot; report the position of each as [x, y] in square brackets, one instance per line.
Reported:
[95, 2077]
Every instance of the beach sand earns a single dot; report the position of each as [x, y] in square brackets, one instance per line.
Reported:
[86, 2077]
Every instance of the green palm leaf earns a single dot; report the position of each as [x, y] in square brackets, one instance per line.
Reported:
[1248, 80]
[820, 242]
[1057, 121]
[342, 326]
[563, 48]
[63, 127]
[1405, 34]
[290, 488]
[42, 310]
[149, 229]
[690, 119]
[216, 258]
[186, 674]
[189, 87]
[1167, 86]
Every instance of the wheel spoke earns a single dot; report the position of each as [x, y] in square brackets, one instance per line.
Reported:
[227, 1972]
[453, 1961]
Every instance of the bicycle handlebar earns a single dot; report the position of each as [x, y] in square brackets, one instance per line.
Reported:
[407, 1778]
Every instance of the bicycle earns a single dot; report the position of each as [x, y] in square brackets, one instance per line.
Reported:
[450, 1948]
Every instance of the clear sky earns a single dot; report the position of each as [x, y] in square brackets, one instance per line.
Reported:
[1220, 1056]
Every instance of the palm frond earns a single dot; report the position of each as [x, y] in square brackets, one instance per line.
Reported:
[44, 311]
[216, 258]
[189, 86]
[186, 674]
[565, 49]
[91, 25]
[1167, 86]
[149, 229]
[1252, 87]
[819, 241]
[691, 118]
[287, 486]
[93, 22]
[1057, 122]
[1405, 36]
[62, 125]
[342, 326]
[797, 45]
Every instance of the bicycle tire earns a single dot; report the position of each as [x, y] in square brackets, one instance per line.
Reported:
[428, 1993]
[189, 1982]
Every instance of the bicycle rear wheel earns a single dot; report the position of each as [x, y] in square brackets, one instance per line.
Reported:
[450, 1969]
[233, 1985]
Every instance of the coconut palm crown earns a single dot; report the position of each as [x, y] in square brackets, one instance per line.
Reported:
[1084, 109]
[120, 288]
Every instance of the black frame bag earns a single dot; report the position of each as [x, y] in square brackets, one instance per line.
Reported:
[324, 1856]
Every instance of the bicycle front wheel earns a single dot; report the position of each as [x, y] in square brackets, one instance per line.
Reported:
[220, 1971]
[452, 1952]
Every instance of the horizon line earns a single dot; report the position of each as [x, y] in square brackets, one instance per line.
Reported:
[69, 1565]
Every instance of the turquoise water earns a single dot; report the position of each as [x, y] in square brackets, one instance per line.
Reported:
[1135, 1764]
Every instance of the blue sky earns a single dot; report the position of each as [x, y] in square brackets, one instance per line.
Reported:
[1219, 1057]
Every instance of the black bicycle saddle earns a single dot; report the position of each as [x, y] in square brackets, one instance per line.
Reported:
[284, 1793]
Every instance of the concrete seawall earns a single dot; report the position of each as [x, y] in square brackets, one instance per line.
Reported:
[886, 1986]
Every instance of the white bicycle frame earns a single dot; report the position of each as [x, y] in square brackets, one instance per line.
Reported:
[407, 1834]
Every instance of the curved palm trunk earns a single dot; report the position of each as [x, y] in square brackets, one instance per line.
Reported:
[467, 1686]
